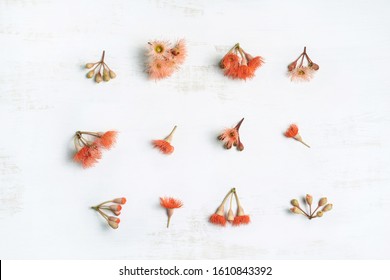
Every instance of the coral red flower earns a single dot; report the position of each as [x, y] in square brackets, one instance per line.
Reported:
[231, 137]
[240, 65]
[165, 145]
[255, 63]
[230, 60]
[292, 132]
[170, 203]
[88, 155]
[218, 218]
[88, 151]
[241, 218]
[108, 139]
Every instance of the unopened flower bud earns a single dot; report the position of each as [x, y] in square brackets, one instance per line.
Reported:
[113, 224]
[230, 216]
[240, 146]
[327, 207]
[320, 213]
[121, 200]
[89, 65]
[106, 77]
[315, 66]
[228, 145]
[115, 207]
[90, 74]
[295, 210]
[112, 74]
[309, 199]
[322, 201]
[114, 219]
[292, 66]
[98, 78]
[116, 213]
[295, 203]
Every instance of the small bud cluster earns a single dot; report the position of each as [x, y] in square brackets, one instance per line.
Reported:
[323, 202]
[114, 206]
[299, 71]
[100, 70]
[231, 137]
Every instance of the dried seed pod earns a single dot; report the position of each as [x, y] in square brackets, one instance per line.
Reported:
[292, 66]
[106, 77]
[112, 74]
[295, 203]
[309, 199]
[322, 201]
[314, 66]
[295, 210]
[327, 207]
[90, 74]
[89, 65]
[113, 224]
[320, 214]
[98, 78]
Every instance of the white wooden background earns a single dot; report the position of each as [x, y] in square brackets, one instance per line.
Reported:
[343, 113]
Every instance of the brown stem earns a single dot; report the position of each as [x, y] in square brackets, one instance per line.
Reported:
[104, 53]
[303, 212]
[314, 211]
[237, 127]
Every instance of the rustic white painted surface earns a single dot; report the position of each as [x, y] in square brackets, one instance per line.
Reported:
[343, 113]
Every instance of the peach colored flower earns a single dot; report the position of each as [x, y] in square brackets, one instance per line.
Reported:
[301, 74]
[165, 145]
[158, 49]
[179, 51]
[160, 69]
[170, 203]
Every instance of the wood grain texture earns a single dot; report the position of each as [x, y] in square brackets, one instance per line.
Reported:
[343, 113]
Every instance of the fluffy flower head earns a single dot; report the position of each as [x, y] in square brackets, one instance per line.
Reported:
[292, 131]
[170, 202]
